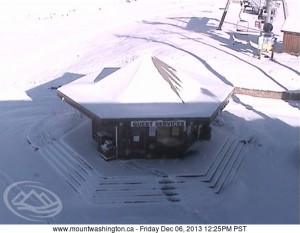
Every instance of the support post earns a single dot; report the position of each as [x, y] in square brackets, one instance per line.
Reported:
[269, 11]
[285, 8]
[117, 141]
[224, 15]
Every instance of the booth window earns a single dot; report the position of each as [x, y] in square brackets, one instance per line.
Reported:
[136, 133]
[168, 132]
[175, 131]
[162, 133]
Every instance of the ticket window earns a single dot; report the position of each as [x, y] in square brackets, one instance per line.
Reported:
[169, 135]
[175, 131]
[137, 135]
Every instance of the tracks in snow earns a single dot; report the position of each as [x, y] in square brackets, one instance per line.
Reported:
[226, 164]
[224, 167]
[124, 189]
[73, 168]
[83, 179]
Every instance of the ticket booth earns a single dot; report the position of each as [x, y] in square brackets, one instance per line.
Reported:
[145, 138]
[147, 109]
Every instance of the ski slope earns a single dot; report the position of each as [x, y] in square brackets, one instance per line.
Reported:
[247, 174]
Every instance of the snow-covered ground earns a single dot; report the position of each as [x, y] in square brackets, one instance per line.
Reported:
[42, 139]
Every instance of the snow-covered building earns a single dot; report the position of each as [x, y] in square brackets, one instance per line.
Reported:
[147, 108]
[291, 36]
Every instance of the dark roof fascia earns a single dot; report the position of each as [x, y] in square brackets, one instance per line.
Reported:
[221, 107]
[77, 106]
[195, 119]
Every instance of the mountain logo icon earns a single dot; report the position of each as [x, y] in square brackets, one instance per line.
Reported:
[31, 201]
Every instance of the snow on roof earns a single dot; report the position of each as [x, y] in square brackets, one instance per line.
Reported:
[291, 24]
[147, 88]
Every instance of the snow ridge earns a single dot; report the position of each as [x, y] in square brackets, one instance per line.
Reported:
[72, 167]
[221, 171]
[145, 189]
[153, 188]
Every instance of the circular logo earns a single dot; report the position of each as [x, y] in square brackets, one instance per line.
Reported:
[31, 201]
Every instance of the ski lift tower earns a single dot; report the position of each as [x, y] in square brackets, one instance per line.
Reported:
[267, 39]
[269, 11]
[224, 14]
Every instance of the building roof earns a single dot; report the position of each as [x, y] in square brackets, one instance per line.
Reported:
[146, 88]
[291, 24]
